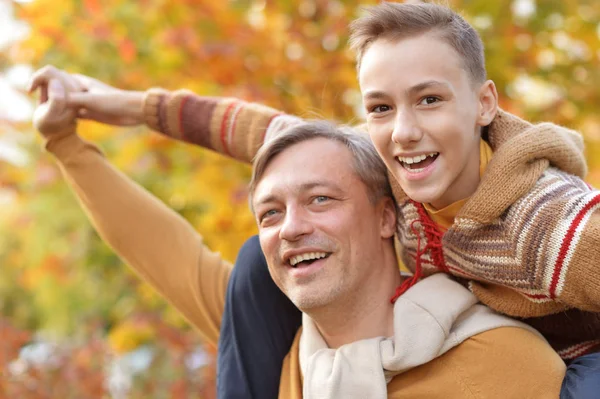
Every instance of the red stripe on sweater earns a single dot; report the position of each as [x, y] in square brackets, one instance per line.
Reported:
[224, 128]
[578, 350]
[566, 244]
[267, 128]
[180, 117]
[234, 123]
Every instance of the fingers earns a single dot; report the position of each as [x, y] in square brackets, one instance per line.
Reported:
[42, 77]
[89, 84]
[43, 94]
[53, 116]
[57, 95]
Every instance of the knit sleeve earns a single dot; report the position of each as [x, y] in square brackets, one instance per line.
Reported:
[154, 240]
[573, 266]
[227, 125]
[549, 251]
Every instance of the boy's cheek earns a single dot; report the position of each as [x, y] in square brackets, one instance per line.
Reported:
[381, 140]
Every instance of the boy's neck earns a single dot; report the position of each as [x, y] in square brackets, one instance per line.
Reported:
[465, 185]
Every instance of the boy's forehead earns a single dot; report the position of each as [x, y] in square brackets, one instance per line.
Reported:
[426, 57]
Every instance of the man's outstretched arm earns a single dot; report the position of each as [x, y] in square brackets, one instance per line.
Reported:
[154, 240]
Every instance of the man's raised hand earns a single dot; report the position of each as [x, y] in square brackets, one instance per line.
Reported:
[53, 115]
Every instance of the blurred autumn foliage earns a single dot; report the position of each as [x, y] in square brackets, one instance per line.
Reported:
[61, 284]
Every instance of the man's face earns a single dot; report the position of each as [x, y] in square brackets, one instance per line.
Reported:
[310, 205]
[424, 116]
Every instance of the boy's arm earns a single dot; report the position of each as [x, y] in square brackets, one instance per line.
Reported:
[554, 252]
[229, 126]
[574, 275]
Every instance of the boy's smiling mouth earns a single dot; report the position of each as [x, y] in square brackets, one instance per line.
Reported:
[417, 163]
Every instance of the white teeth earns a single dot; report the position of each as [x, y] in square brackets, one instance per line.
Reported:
[294, 260]
[416, 159]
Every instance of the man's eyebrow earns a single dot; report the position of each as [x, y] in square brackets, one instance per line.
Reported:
[322, 183]
[264, 200]
[303, 187]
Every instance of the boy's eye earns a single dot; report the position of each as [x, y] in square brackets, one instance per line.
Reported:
[429, 100]
[380, 108]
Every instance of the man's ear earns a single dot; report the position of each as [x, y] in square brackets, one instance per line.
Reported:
[389, 218]
[488, 103]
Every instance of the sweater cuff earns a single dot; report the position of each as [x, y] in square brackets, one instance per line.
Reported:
[151, 107]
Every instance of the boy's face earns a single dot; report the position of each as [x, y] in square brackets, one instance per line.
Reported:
[424, 116]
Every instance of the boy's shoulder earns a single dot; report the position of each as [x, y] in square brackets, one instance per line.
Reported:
[555, 186]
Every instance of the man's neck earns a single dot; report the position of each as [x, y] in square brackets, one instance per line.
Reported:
[364, 314]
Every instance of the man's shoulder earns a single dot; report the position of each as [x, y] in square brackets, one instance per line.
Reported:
[473, 367]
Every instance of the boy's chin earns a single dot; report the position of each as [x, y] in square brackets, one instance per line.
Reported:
[423, 195]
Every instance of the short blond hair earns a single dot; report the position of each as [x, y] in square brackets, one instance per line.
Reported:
[395, 21]
[366, 163]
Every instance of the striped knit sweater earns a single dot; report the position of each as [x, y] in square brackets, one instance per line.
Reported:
[527, 243]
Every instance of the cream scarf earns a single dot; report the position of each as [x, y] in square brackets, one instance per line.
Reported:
[432, 317]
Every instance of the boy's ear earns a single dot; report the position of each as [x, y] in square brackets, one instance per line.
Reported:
[488, 103]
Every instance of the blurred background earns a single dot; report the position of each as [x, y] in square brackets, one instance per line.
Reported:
[74, 321]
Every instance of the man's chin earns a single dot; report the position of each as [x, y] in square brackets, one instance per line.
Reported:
[307, 301]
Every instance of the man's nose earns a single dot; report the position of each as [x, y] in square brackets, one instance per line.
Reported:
[295, 225]
[406, 128]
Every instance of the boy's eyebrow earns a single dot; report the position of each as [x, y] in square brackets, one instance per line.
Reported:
[374, 95]
[377, 94]
[427, 84]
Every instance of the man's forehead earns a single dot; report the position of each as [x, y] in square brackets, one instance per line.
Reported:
[325, 164]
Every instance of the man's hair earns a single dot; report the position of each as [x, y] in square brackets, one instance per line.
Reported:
[395, 21]
[366, 163]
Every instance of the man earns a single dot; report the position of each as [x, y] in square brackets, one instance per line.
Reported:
[433, 116]
[326, 224]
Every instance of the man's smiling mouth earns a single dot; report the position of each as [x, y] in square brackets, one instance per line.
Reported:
[307, 258]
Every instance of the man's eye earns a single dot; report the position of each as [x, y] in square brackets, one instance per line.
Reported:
[321, 198]
[380, 108]
[429, 100]
[268, 213]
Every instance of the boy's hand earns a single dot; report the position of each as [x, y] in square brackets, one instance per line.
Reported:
[53, 115]
[94, 100]
[106, 104]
